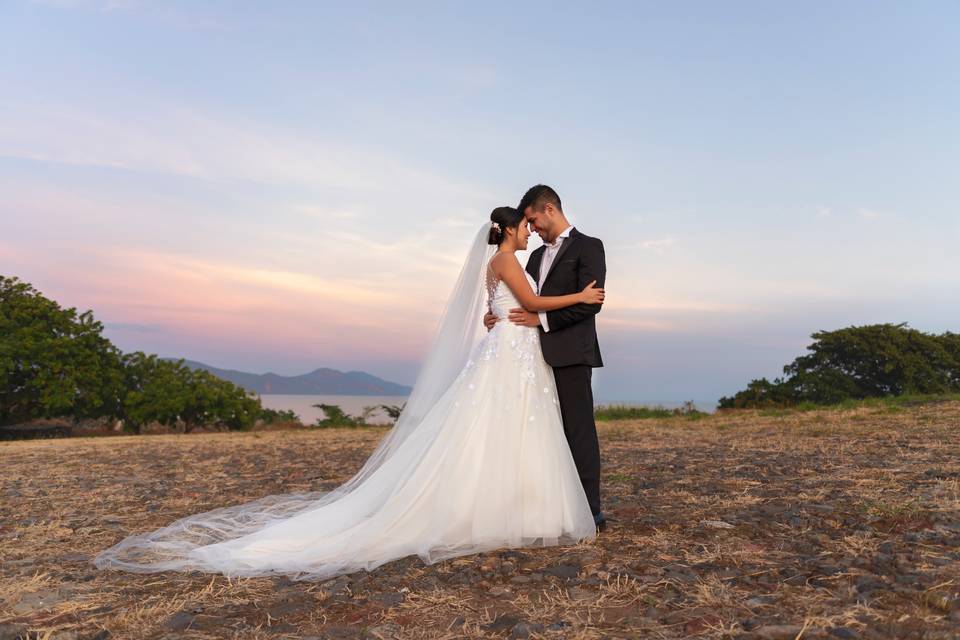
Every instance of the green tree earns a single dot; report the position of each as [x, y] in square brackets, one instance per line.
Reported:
[56, 362]
[212, 400]
[156, 390]
[861, 362]
[873, 361]
[169, 392]
[334, 416]
[273, 416]
[393, 411]
[53, 361]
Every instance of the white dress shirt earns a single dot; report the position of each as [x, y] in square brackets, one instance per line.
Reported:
[548, 255]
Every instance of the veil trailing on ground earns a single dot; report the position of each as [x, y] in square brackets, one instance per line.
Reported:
[459, 331]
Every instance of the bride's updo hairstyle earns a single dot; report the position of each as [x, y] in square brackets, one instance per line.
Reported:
[501, 219]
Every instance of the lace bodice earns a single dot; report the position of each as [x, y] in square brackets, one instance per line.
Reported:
[499, 296]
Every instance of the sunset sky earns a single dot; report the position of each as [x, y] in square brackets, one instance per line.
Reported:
[284, 186]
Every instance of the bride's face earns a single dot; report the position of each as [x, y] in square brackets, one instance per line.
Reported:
[523, 234]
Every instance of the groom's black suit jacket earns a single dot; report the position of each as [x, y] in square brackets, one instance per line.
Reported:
[572, 338]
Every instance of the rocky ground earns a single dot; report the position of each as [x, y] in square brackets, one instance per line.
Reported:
[822, 524]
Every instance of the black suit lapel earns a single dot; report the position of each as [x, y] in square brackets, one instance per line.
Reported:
[533, 263]
[570, 240]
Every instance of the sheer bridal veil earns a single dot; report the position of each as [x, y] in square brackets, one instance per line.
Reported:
[459, 331]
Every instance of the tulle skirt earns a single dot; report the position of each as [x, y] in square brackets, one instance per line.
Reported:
[487, 467]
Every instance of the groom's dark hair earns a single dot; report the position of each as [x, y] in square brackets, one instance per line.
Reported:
[538, 196]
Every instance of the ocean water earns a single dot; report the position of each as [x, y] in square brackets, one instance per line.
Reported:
[352, 405]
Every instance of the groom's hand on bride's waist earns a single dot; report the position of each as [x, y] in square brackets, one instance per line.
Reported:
[489, 320]
[524, 318]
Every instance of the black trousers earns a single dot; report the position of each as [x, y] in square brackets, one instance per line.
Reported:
[576, 408]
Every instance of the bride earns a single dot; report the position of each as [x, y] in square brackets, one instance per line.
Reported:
[477, 460]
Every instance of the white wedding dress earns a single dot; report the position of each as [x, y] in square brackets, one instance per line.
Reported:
[485, 466]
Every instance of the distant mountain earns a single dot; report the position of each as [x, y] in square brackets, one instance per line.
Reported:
[319, 382]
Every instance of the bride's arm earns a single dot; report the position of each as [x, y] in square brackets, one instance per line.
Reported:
[507, 268]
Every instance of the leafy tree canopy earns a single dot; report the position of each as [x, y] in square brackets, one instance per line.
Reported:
[56, 362]
[861, 362]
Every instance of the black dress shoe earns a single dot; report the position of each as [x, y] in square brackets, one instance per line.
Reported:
[601, 521]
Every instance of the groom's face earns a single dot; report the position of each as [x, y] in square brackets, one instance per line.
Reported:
[539, 222]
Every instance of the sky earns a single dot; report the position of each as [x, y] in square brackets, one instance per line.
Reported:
[287, 186]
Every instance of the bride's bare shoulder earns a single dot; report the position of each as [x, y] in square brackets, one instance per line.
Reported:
[502, 261]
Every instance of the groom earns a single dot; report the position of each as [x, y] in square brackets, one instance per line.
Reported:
[566, 263]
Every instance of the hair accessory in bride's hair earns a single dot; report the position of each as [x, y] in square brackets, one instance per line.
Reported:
[501, 219]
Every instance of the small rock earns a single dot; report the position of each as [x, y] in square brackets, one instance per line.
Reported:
[337, 586]
[845, 633]
[520, 579]
[497, 592]
[502, 623]
[387, 599]
[13, 631]
[565, 571]
[524, 629]
[36, 601]
[465, 577]
[179, 621]
[778, 631]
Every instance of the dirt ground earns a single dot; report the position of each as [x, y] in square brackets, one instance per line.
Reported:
[825, 524]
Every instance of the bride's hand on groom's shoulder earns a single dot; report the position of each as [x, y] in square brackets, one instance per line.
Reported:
[523, 317]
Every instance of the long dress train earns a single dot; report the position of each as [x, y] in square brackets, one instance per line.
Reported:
[486, 467]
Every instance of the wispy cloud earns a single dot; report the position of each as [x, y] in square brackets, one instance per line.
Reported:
[658, 245]
[132, 327]
[186, 142]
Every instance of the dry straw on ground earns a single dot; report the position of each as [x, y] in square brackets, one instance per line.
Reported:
[838, 524]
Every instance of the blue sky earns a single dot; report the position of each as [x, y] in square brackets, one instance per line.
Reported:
[283, 186]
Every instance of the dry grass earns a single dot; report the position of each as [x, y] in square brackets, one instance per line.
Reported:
[736, 525]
